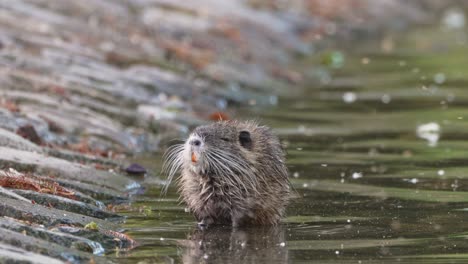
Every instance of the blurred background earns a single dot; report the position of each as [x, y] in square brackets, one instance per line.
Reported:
[368, 97]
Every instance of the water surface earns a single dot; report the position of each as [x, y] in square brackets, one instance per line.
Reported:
[377, 151]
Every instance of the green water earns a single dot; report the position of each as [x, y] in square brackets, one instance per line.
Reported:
[368, 187]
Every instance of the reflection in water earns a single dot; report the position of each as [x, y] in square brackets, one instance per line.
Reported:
[429, 132]
[239, 245]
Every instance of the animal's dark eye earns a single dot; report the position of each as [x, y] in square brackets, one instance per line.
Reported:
[245, 140]
[225, 139]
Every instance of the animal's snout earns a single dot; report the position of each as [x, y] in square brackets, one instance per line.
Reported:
[195, 142]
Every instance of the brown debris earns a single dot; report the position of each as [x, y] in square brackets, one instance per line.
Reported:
[19, 182]
[100, 166]
[53, 126]
[84, 148]
[227, 30]
[29, 182]
[121, 237]
[187, 53]
[118, 59]
[9, 105]
[29, 132]
[59, 90]
[333, 9]
[119, 208]
[288, 75]
[218, 116]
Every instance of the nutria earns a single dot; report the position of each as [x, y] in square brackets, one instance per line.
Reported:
[232, 173]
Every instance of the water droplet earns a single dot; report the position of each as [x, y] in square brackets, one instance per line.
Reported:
[386, 98]
[98, 249]
[454, 185]
[440, 172]
[337, 252]
[324, 165]
[429, 132]
[305, 185]
[349, 97]
[132, 185]
[282, 244]
[100, 205]
[414, 180]
[334, 59]
[454, 19]
[162, 238]
[356, 175]
[296, 174]
[439, 78]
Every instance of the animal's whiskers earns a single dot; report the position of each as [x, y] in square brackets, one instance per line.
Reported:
[173, 161]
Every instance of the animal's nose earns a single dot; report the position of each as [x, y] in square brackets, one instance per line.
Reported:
[195, 142]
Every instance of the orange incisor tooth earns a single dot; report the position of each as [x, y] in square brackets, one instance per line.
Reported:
[194, 158]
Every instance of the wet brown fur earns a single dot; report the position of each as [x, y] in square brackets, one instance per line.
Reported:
[255, 192]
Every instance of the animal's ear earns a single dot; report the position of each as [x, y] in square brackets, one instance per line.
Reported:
[245, 140]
